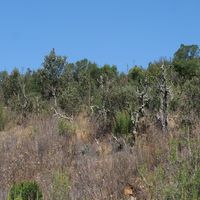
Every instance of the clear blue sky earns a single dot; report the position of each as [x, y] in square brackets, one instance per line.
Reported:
[117, 32]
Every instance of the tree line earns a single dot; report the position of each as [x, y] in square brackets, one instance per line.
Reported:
[122, 103]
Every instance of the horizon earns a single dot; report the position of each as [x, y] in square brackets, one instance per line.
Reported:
[114, 33]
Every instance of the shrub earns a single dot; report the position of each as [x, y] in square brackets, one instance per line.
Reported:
[122, 124]
[70, 100]
[25, 191]
[65, 128]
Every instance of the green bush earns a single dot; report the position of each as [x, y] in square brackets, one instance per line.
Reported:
[65, 128]
[25, 191]
[60, 186]
[122, 124]
[69, 100]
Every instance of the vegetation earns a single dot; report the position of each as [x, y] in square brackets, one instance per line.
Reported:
[122, 124]
[60, 186]
[65, 128]
[24, 191]
[2, 118]
[115, 134]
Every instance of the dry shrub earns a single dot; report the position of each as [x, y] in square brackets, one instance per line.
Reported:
[33, 153]
[85, 128]
[97, 168]
[101, 177]
[151, 148]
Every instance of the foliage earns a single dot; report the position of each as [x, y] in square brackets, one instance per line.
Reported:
[60, 186]
[65, 128]
[137, 74]
[169, 171]
[24, 191]
[69, 99]
[191, 95]
[178, 177]
[11, 86]
[122, 124]
[2, 118]
[186, 61]
[50, 75]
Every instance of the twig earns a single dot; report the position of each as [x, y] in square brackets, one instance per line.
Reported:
[62, 115]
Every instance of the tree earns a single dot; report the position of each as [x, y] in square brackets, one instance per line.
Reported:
[3, 77]
[137, 74]
[159, 76]
[187, 52]
[164, 98]
[11, 85]
[186, 61]
[138, 78]
[69, 99]
[50, 75]
[85, 73]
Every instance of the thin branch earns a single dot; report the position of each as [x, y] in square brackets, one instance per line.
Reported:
[62, 115]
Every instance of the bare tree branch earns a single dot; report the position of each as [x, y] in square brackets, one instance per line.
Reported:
[56, 113]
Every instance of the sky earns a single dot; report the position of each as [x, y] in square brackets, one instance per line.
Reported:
[120, 32]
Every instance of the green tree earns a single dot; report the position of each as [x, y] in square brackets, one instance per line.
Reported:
[186, 61]
[137, 75]
[3, 77]
[50, 75]
[69, 99]
[11, 85]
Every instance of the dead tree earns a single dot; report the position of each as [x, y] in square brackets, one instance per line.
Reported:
[142, 102]
[105, 84]
[24, 97]
[103, 111]
[164, 99]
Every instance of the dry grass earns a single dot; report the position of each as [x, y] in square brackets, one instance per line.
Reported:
[97, 170]
[36, 151]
